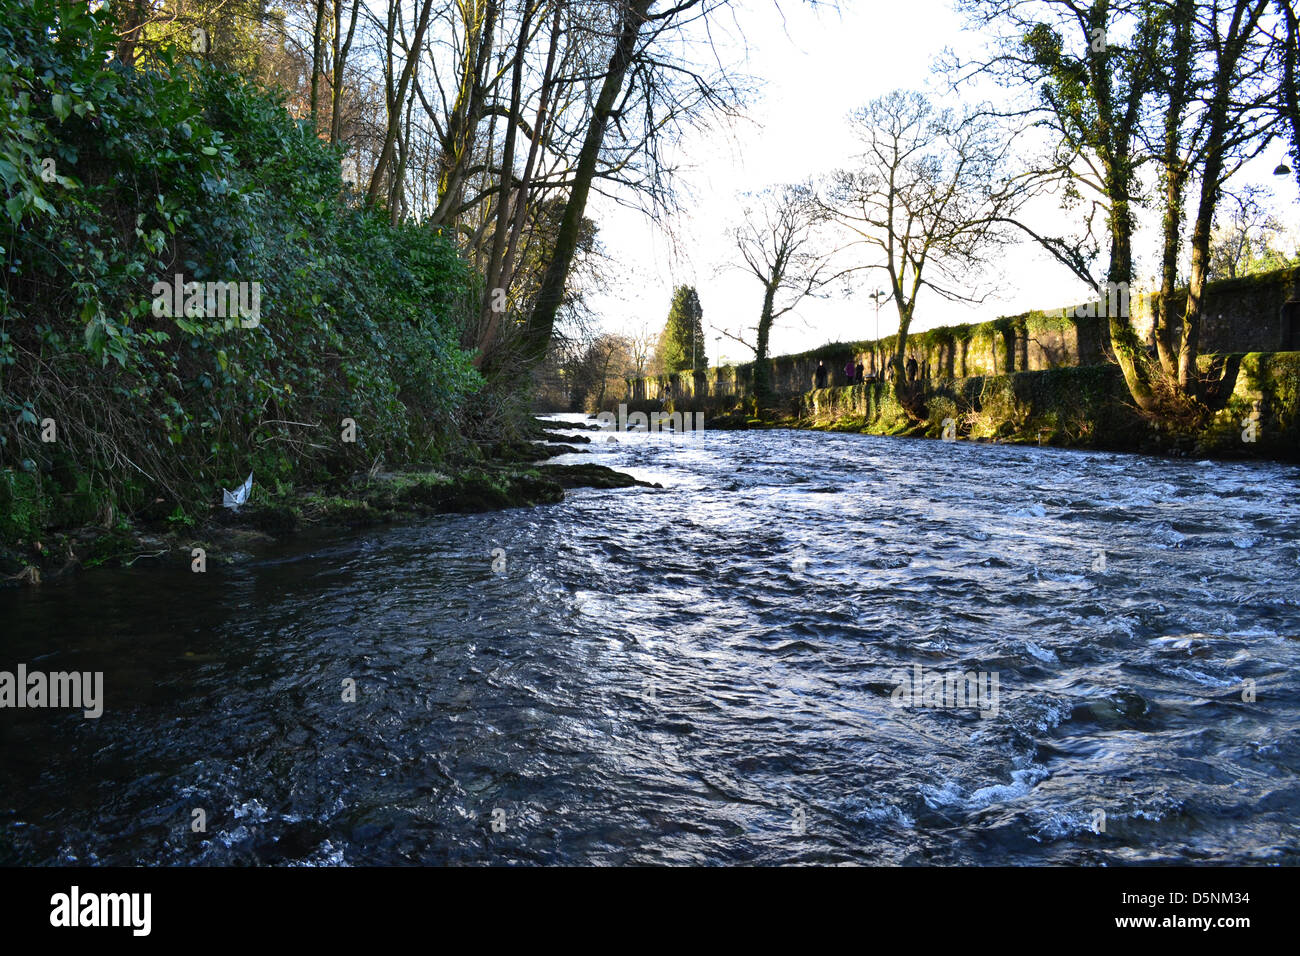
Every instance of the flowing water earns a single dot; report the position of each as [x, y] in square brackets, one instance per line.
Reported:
[706, 673]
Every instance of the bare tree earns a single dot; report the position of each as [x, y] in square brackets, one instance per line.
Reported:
[1238, 125]
[646, 92]
[928, 205]
[780, 244]
[341, 46]
[641, 346]
[398, 74]
[1249, 241]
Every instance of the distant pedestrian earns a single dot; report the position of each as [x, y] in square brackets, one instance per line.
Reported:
[848, 372]
[860, 369]
[822, 372]
[911, 370]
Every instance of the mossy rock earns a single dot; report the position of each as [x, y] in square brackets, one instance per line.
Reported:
[590, 476]
[542, 452]
[533, 489]
[516, 451]
[542, 428]
[474, 491]
[431, 490]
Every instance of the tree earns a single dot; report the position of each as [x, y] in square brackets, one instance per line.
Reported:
[397, 84]
[592, 368]
[780, 246]
[499, 343]
[1091, 70]
[641, 346]
[644, 91]
[1251, 241]
[1180, 138]
[1238, 125]
[681, 344]
[1085, 67]
[927, 202]
[481, 118]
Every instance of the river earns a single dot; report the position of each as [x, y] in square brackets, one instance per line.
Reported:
[703, 674]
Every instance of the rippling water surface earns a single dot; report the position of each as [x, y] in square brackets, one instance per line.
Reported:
[701, 674]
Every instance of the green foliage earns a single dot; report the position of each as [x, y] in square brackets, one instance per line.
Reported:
[115, 179]
[21, 505]
[236, 34]
[1267, 389]
[683, 335]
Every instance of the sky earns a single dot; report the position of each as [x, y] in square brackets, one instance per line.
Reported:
[815, 67]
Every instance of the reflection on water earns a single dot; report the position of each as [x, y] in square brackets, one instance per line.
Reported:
[701, 674]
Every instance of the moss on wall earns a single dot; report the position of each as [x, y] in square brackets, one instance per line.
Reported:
[1084, 407]
[1241, 314]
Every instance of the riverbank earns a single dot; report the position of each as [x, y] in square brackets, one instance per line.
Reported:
[507, 475]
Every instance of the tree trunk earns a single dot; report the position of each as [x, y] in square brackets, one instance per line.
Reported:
[395, 110]
[542, 321]
[1190, 339]
[1175, 179]
[1243, 24]
[467, 111]
[492, 274]
[137, 13]
[1129, 351]
[340, 59]
[506, 277]
[897, 368]
[317, 51]
[763, 390]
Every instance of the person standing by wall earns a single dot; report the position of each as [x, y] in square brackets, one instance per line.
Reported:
[822, 372]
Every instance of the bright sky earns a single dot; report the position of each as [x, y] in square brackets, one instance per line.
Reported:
[815, 67]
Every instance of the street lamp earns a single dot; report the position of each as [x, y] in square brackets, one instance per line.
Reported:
[1282, 169]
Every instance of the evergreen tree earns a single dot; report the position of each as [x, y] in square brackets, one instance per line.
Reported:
[683, 335]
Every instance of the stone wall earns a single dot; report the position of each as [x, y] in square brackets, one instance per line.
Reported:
[1258, 313]
[1085, 406]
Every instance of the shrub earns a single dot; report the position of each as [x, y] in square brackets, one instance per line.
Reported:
[115, 179]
